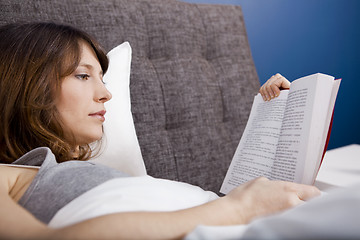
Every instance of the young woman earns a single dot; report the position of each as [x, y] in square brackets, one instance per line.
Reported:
[52, 107]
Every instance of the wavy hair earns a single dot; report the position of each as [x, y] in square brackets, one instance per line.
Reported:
[34, 58]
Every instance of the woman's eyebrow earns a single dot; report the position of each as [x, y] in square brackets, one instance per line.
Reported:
[90, 67]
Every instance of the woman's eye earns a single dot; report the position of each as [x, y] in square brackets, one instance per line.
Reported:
[83, 76]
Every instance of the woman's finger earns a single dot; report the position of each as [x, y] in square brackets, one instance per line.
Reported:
[269, 86]
[282, 82]
[264, 93]
[307, 192]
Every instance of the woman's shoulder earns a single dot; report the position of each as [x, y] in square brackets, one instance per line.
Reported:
[12, 216]
[8, 176]
[15, 180]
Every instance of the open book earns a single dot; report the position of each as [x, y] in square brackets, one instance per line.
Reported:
[285, 138]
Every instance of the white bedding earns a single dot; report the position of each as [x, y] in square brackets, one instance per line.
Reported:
[143, 193]
[334, 215]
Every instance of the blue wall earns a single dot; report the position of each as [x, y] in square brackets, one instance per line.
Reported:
[302, 37]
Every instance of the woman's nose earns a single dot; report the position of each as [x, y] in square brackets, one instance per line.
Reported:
[103, 94]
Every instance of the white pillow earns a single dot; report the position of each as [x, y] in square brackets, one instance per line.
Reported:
[121, 148]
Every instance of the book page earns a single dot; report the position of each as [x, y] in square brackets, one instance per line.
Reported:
[326, 130]
[324, 101]
[287, 166]
[301, 136]
[255, 153]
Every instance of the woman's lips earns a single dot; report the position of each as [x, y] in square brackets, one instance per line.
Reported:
[99, 115]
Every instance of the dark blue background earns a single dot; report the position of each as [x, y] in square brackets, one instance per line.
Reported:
[301, 37]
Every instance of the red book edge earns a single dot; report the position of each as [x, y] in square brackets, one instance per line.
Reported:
[327, 138]
[328, 135]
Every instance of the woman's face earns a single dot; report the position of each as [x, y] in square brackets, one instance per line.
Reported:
[82, 98]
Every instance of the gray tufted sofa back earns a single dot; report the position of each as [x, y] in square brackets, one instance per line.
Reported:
[192, 77]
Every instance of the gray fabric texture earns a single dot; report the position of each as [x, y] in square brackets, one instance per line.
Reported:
[192, 77]
[56, 184]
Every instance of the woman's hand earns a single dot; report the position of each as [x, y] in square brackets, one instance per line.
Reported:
[272, 87]
[261, 197]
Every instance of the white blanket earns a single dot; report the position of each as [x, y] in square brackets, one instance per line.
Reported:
[334, 215]
[142, 193]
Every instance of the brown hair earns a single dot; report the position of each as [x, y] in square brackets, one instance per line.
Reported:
[34, 58]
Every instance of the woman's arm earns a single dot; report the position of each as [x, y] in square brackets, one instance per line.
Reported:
[272, 87]
[255, 198]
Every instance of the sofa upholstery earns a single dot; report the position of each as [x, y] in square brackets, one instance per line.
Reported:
[192, 77]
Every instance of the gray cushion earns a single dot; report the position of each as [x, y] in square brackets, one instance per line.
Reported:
[192, 81]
